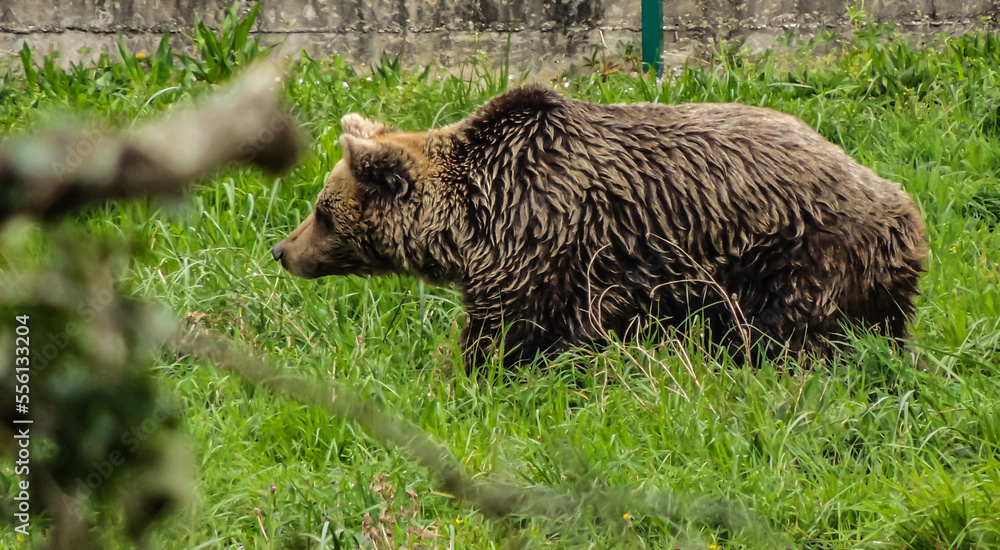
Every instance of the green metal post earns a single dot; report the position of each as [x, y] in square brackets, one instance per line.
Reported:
[652, 35]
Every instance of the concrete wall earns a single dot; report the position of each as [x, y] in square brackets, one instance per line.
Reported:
[547, 34]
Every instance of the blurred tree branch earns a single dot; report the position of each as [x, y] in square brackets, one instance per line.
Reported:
[63, 170]
[492, 498]
[91, 385]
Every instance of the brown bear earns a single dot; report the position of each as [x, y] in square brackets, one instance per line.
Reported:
[563, 221]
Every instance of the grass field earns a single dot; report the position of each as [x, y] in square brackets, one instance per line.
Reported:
[865, 453]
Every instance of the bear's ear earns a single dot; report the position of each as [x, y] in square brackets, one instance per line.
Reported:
[383, 168]
[359, 126]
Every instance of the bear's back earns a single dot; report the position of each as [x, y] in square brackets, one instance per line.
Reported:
[717, 174]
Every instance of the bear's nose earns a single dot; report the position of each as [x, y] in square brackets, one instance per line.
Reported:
[278, 251]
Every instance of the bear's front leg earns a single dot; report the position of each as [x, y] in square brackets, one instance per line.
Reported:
[478, 344]
[513, 344]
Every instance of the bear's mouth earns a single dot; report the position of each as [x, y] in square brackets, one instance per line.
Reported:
[334, 259]
[336, 268]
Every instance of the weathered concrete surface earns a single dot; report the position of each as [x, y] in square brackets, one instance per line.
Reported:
[545, 34]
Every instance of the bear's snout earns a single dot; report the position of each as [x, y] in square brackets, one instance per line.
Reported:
[278, 251]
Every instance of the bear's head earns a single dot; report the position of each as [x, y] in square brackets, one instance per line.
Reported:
[388, 206]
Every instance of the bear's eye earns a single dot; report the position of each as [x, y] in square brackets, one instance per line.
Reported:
[396, 184]
[386, 185]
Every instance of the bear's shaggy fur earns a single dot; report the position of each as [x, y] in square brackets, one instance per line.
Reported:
[562, 221]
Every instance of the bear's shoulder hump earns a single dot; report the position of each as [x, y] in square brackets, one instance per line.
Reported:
[515, 104]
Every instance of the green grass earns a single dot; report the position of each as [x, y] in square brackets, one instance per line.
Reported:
[868, 452]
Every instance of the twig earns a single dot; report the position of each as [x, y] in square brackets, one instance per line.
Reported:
[493, 499]
[64, 170]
